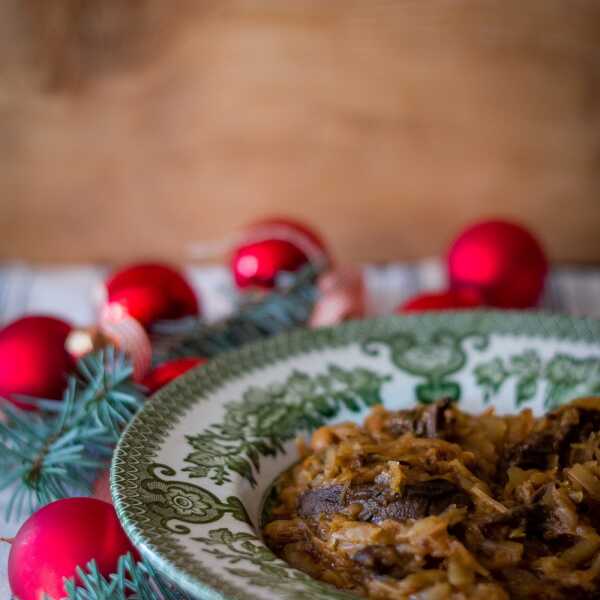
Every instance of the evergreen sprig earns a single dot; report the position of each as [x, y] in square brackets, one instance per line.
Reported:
[58, 450]
[288, 306]
[132, 581]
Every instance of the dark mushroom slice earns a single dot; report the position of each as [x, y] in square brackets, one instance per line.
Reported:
[378, 503]
[551, 446]
[384, 560]
[423, 421]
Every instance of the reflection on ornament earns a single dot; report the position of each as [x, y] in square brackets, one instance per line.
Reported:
[248, 266]
[85, 340]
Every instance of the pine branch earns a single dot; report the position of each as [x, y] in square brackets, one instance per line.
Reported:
[132, 581]
[288, 306]
[58, 451]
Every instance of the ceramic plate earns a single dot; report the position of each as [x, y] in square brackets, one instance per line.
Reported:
[191, 471]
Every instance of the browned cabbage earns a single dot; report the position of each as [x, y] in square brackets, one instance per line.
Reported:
[435, 504]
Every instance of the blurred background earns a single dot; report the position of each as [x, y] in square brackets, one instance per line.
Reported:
[131, 129]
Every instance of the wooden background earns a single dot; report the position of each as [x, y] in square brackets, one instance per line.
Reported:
[134, 128]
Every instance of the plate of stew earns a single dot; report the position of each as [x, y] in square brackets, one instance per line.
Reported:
[447, 455]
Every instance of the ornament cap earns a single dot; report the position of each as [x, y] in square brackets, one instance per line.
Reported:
[84, 340]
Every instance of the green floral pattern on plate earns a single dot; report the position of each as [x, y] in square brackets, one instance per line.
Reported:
[171, 500]
[265, 418]
[565, 377]
[205, 449]
[433, 357]
[270, 572]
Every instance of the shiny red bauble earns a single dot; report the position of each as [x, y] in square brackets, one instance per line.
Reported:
[151, 292]
[273, 246]
[57, 539]
[169, 371]
[446, 300]
[33, 359]
[503, 260]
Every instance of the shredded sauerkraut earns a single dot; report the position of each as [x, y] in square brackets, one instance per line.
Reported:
[435, 504]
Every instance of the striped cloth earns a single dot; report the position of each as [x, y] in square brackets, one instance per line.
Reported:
[72, 292]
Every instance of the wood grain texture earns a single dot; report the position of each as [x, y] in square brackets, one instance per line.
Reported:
[133, 129]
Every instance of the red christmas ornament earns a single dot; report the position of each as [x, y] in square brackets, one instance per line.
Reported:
[33, 359]
[150, 292]
[450, 299]
[60, 537]
[503, 260]
[168, 371]
[272, 246]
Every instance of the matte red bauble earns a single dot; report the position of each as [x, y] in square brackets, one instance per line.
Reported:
[503, 260]
[57, 539]
[273, 246]
[447, 300]
[33, 359]
[150, 292]
[169, 371]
